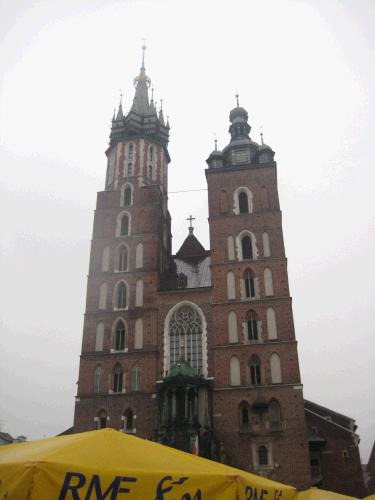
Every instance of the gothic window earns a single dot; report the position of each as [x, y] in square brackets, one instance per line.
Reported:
[103, 296]
[102, 419]
[274, 412]
[247, 248]
[185, 337]
[252, 326]
[127, 196]
[230, 243]
[124, 229]
[255, 378]
[231, 287]
[249, 283]
[122, 258]
[98, 374]
[118, 378]
[262, 455]
[268, 283]
[150, 171]
[121, 296]
[139, 256]
[130, 169]
[136, 377]
[99, 336]
[244, 415]
[243, 203]
[105, 259]
[266, 245]
[131, 152]
[275, 369]
[138, 335]
[235, 374]
[120, 339]
[139, 293]
[128, 421]
[151, 153]
[232, 328]
[271, 324]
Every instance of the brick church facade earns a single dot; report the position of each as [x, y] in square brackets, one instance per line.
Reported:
[195, 349]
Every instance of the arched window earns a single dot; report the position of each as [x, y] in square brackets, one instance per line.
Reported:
[127, 199]
[243, 203]
[231, 286]
[266, 245]
[244, 415]
[139, 256]
[255, 376]
[130, 169]
[252, 326]
[151, 153]
[103, 296]
[139, 293]
[99, 336]
[262, 455]
[136, 377]
[275, 369]
[102, 419]
[223, 201]
[274, 412]
[128, 421]
[271, 324]
[105, 259]
[122, 258]
[98, 375]
[131, 152]
[138, 335]
[249, 283]
[121, 296]
[230, 242]
[120, 338]
[232, 328]
[124, 229]
[150, 171]
[247, 248]
[118, 378]
[185, 337]
[235, 374]
[268, 283]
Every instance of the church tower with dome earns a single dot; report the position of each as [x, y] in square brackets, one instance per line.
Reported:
[195, 349]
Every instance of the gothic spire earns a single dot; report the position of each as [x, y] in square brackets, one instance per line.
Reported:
[120, 114]
[161, 116]
[142, 82]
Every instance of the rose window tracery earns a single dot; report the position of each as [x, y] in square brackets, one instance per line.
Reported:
[185, 333]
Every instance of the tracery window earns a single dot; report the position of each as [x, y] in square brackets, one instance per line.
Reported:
[247, 248]
[255, 378]
[121, 296]
[98, 378]
[185, 337]
[136, 377]
[249, 284]
[252, 326]
[123, 258]
[117, 378]
[120, 339]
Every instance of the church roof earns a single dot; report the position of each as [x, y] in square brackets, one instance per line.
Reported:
[191, 248]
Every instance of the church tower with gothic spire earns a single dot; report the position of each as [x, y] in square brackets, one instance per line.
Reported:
[195, 350]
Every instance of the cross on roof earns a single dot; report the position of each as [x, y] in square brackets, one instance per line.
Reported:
[190, 219]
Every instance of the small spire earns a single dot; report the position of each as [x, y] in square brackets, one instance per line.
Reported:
[143, 55]
[191, 228]
[215, 144]
[161, 116]
[167, 124]
[261, 138]
[114, 115]
[120, 114]
[238, 104]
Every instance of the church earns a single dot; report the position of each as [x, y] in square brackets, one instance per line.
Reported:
[195, 350]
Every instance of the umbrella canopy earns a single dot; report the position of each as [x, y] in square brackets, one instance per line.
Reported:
[317, 494]
[107, 464]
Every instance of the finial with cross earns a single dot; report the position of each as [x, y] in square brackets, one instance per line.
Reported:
[143, 52]
[238, 104]
[161, 104]
[120, 97]
[190, 219]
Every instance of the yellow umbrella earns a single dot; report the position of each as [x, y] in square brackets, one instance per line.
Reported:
[317, 494]
[109, 465]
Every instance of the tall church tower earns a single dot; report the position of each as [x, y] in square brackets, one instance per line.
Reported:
[257, 398]
[130, 249]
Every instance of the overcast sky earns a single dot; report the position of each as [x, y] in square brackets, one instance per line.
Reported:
[305, 72]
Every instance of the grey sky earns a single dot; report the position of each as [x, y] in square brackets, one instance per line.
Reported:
[304, 71]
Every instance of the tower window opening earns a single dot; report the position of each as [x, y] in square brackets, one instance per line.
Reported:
[262, 455]
[150, 171]
[127, 196]
[124, 230]
[123, 259]
[120, 337]
[243, 203]
[255, 377]
[249, 285]
[131, 152]
[117, 379]
[121, 296]
[130, 169]
[247, 248]
[98, 378]
[245, 417]
[136, 377]
[252, 326]
[151, 153]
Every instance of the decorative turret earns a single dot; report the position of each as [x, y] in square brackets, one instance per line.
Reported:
[215, 160]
